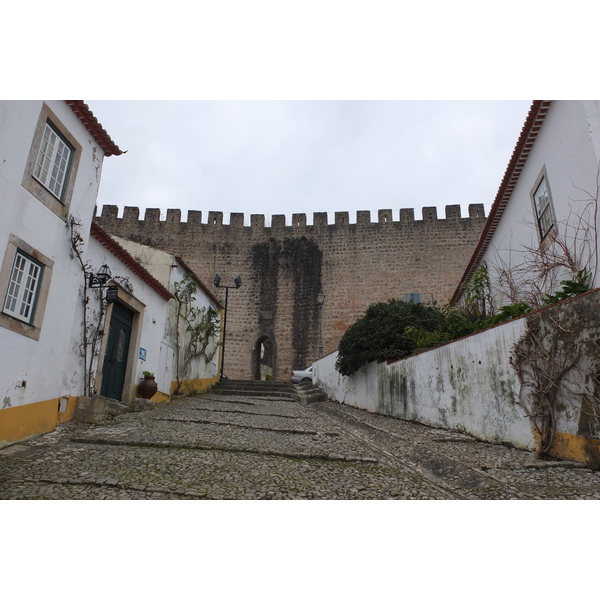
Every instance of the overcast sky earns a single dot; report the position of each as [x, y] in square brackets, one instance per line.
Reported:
[285, 157]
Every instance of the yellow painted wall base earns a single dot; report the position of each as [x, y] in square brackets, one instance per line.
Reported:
[577, 448]
[160, 397]
[21, 422]
[191, 387]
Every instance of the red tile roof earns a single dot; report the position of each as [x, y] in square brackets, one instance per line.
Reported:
[99, 234]
[531, 128]
[86, 116]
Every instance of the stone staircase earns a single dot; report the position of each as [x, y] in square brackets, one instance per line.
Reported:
[305, 393]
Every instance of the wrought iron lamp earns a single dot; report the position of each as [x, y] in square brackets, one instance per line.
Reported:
[100, 279]
[112, 291]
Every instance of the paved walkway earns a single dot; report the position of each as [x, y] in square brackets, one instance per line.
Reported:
[232, 447]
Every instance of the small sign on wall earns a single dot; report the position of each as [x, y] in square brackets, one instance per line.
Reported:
[142, 353]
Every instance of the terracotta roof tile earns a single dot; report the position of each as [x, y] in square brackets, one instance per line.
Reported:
[104, 238]
[86, 116]
[531, 128]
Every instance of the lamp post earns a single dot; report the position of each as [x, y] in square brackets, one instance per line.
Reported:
[320, 300]
[238, 283]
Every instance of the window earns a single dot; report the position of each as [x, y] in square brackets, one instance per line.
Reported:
[542, 202]
[23, 287]
[53, 161]
[25, 276]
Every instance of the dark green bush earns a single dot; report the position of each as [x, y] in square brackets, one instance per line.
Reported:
[379, 334]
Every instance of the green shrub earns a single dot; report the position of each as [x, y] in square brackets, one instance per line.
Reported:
[379, 334]
[511, 311]
[460, 321]
[571, 287]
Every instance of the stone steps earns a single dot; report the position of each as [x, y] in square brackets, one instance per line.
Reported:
[305, 393]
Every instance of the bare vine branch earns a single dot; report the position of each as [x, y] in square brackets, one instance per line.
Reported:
[533, 271]
[197, 325]
[94, 313]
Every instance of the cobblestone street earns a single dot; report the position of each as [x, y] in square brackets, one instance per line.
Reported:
[231, 447]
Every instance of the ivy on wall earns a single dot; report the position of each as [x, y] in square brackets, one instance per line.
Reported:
[196, 329]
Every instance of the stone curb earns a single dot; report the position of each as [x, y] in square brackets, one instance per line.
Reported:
[179, 446]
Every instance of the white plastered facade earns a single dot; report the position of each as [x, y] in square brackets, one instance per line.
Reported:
[566, 153]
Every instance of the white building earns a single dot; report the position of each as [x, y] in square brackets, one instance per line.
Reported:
[183, 362]
[51, 156]
[63, 345]
[542, 227]
[131, 328]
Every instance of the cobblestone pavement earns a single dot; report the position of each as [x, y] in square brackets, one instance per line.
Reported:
[232, 447]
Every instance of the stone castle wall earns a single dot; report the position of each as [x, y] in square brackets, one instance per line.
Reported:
[283, 267]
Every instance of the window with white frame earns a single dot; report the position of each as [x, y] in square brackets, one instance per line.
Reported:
[543, 207]
[23, 287]
[52, 164]
[53, 161]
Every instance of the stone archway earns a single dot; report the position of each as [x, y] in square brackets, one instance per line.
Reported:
[264, 359]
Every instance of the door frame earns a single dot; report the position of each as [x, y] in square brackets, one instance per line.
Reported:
[121, 320]
[137, 308]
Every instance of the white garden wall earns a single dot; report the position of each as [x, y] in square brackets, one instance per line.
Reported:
[470, 386]
[467, 385]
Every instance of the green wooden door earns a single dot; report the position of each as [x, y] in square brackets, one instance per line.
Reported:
[117, 348]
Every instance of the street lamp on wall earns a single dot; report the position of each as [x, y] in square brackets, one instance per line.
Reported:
[100, 279]
[320, 300]
[238, 283]
[112, 292]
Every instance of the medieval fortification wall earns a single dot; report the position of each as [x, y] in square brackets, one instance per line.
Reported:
[283, 267]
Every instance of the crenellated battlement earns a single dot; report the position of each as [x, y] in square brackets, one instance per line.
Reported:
[284, 261]
[131, 215]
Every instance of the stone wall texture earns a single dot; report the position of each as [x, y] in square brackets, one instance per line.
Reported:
[284, 266]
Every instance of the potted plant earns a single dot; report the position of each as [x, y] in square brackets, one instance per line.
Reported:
[148, 386]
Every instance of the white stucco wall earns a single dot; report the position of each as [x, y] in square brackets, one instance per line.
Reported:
[48, 365]
[466, 386]
[198, 368]
[166, 269]
[153, 318]
[568, 148]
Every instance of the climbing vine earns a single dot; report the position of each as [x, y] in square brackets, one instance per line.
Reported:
[542, 358]
[93, 318]
[557, 363]
[474, 313]
[196, 329]
[94, 311]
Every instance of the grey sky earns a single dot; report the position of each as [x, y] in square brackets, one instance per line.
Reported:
[285, 157]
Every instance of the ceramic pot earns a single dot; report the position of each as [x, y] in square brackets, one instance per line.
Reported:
[147, 387]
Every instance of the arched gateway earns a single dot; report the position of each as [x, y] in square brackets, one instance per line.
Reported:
[263, 359]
